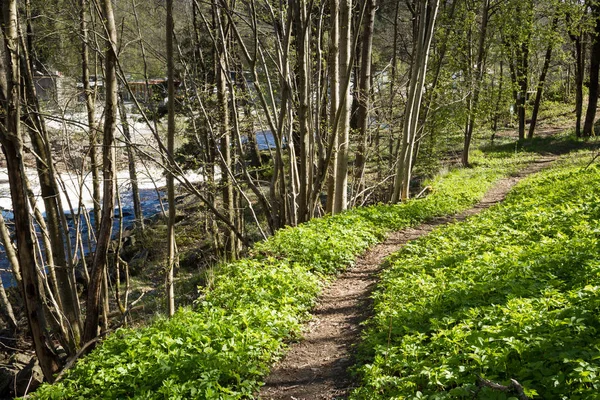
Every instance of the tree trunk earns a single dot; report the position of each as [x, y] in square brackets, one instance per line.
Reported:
[171, 150]
[522, 82]
[110, 124]
[364, 92]
[12, 146]
[225, 131]
[426, 25]
[590, 116]
[541, 82]
[473, 99]
[578, 53]
[56, 230]
[345, 66]
[131, 163]
[302, 41]
[90, 104]
[334, 89]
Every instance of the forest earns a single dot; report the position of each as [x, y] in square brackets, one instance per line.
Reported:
[182, 180]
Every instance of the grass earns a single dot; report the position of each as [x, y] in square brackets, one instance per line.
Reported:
[223, 346]
[513, 293]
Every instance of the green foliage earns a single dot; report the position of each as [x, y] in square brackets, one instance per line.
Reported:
[221, 348]
[513, 293]
[217, 350]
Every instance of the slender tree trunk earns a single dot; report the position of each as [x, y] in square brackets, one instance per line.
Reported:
[364, 92]
[90, 104]
[131, 163]
[225, 130]
[12, 146]
[301, 30]
[110, 124]
[334, 82]
[393, 74]
[590, 116]
[473, 100]
[541, 82]
[578, 53]
[426, 24]
[345, 66]
[522, 81]
[10, 251]
[171, 149]
[57, 232]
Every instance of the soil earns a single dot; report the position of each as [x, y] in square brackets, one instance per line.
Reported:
[317, 367]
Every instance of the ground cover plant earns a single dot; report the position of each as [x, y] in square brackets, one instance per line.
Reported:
[513, 293]
[221, 347]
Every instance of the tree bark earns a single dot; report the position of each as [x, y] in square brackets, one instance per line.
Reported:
[426, 24]
[364, 92]
[541, 82]
[12, 146]
[345, 66]
[224, 130]
[578, 54]
[90, 104]
[171, 150]
[590, 116]
[473, 98]
[302, 41]
[62, 261]
[334, 90]
[131, 163]
[110, 124]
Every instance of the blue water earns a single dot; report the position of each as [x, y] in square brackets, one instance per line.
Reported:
[264, 140]
[150, 207]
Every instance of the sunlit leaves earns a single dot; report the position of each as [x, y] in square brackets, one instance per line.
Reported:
[223, 347]
[511, 294]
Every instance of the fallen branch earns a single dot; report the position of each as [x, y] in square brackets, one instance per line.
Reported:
[76, 357]
[514, 387]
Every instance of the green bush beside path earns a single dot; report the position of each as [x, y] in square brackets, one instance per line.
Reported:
[223, 347]
[513, 293]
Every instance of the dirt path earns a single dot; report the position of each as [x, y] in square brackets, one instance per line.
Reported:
[315, 368]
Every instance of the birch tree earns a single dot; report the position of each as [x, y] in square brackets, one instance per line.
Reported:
[426, 17]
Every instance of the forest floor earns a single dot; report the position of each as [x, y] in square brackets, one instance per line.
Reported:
[317, 366]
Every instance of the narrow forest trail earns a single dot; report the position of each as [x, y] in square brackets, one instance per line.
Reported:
[316, 367]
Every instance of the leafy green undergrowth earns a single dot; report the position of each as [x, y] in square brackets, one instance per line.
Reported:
[513, 293]
[222, 347]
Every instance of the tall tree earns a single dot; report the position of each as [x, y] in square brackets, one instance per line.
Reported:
[334, 97]
[590, 116]
[425, 24]
[517, 40]
[301, 26]
[100, 263]
[12, 146]
[576, 29]
[542, 79]
[90, 106]
[345, 108]
[363, 94]
[475, 79]
[171, 150]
